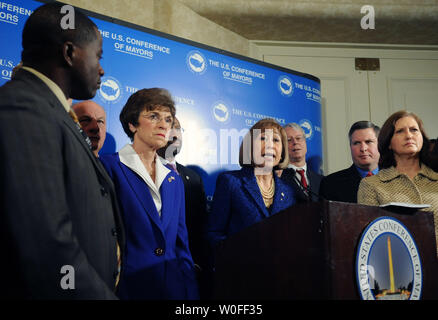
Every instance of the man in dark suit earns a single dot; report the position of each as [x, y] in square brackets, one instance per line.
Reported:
[59, 226]
[343, 185]
[195, 199]
[304, 181]
[433, 147]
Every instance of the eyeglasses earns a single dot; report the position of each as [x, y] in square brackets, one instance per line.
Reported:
[296, 139]
[155, 117]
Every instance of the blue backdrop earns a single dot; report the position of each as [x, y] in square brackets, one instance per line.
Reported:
[218, 95]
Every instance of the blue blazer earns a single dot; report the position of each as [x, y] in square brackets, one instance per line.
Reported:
[238, 203]
[157, 263]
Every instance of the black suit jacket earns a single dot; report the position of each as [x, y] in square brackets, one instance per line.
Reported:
[58, 206]
[314, 178]
[341, 185]
[196, 213]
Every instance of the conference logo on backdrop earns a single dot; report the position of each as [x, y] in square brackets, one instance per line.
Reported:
[307, 127]
[221, 112]
[196, 62]
[388, 265]
[286, 86]
[110, 90]
[6, 67]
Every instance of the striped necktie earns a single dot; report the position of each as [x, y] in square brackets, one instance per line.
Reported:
[303, 179]
[73, 115]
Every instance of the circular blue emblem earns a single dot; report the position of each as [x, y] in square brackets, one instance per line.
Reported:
[285, 85]
[221, 112]
[110, 90]
[388, 264]
[307, 127]
[196, 62]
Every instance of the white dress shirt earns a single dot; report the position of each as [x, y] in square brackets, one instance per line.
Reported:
[290, 165]
[132, 160]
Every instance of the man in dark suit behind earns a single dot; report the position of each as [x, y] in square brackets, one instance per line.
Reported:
[195, 201]
[59, 219]
[92, 118]
[343, 185]
[304, 181]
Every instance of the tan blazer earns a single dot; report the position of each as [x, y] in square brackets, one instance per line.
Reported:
[389, 185]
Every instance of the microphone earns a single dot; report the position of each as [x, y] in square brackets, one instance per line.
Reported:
[308, 192]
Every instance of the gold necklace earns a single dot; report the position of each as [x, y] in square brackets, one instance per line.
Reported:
[267, 195]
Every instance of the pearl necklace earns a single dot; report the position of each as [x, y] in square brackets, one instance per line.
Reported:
[267, 195]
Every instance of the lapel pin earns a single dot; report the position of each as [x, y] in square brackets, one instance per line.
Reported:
[171, 178]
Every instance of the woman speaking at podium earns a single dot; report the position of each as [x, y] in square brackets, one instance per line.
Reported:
[246, 196]
[405, 174]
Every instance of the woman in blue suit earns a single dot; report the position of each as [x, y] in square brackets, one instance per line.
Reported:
[253, 193]
[157, 263]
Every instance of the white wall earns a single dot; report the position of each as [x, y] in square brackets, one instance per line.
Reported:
[407, 79]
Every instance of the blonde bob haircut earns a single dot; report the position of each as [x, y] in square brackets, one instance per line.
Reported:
[246, 157]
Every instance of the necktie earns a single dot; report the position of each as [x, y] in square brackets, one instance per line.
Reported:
[369, 174]
[73, 115]
[119, 263]
[303, 179]
[173, 166]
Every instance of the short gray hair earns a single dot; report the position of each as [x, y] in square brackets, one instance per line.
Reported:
[296, 126]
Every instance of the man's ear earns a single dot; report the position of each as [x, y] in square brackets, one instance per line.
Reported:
[68, 49]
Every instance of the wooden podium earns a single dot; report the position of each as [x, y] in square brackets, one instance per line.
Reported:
[309, 252]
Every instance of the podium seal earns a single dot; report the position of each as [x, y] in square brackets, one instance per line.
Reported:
[388, 265]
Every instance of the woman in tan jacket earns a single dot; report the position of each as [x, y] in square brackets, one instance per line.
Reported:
[405, 175]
